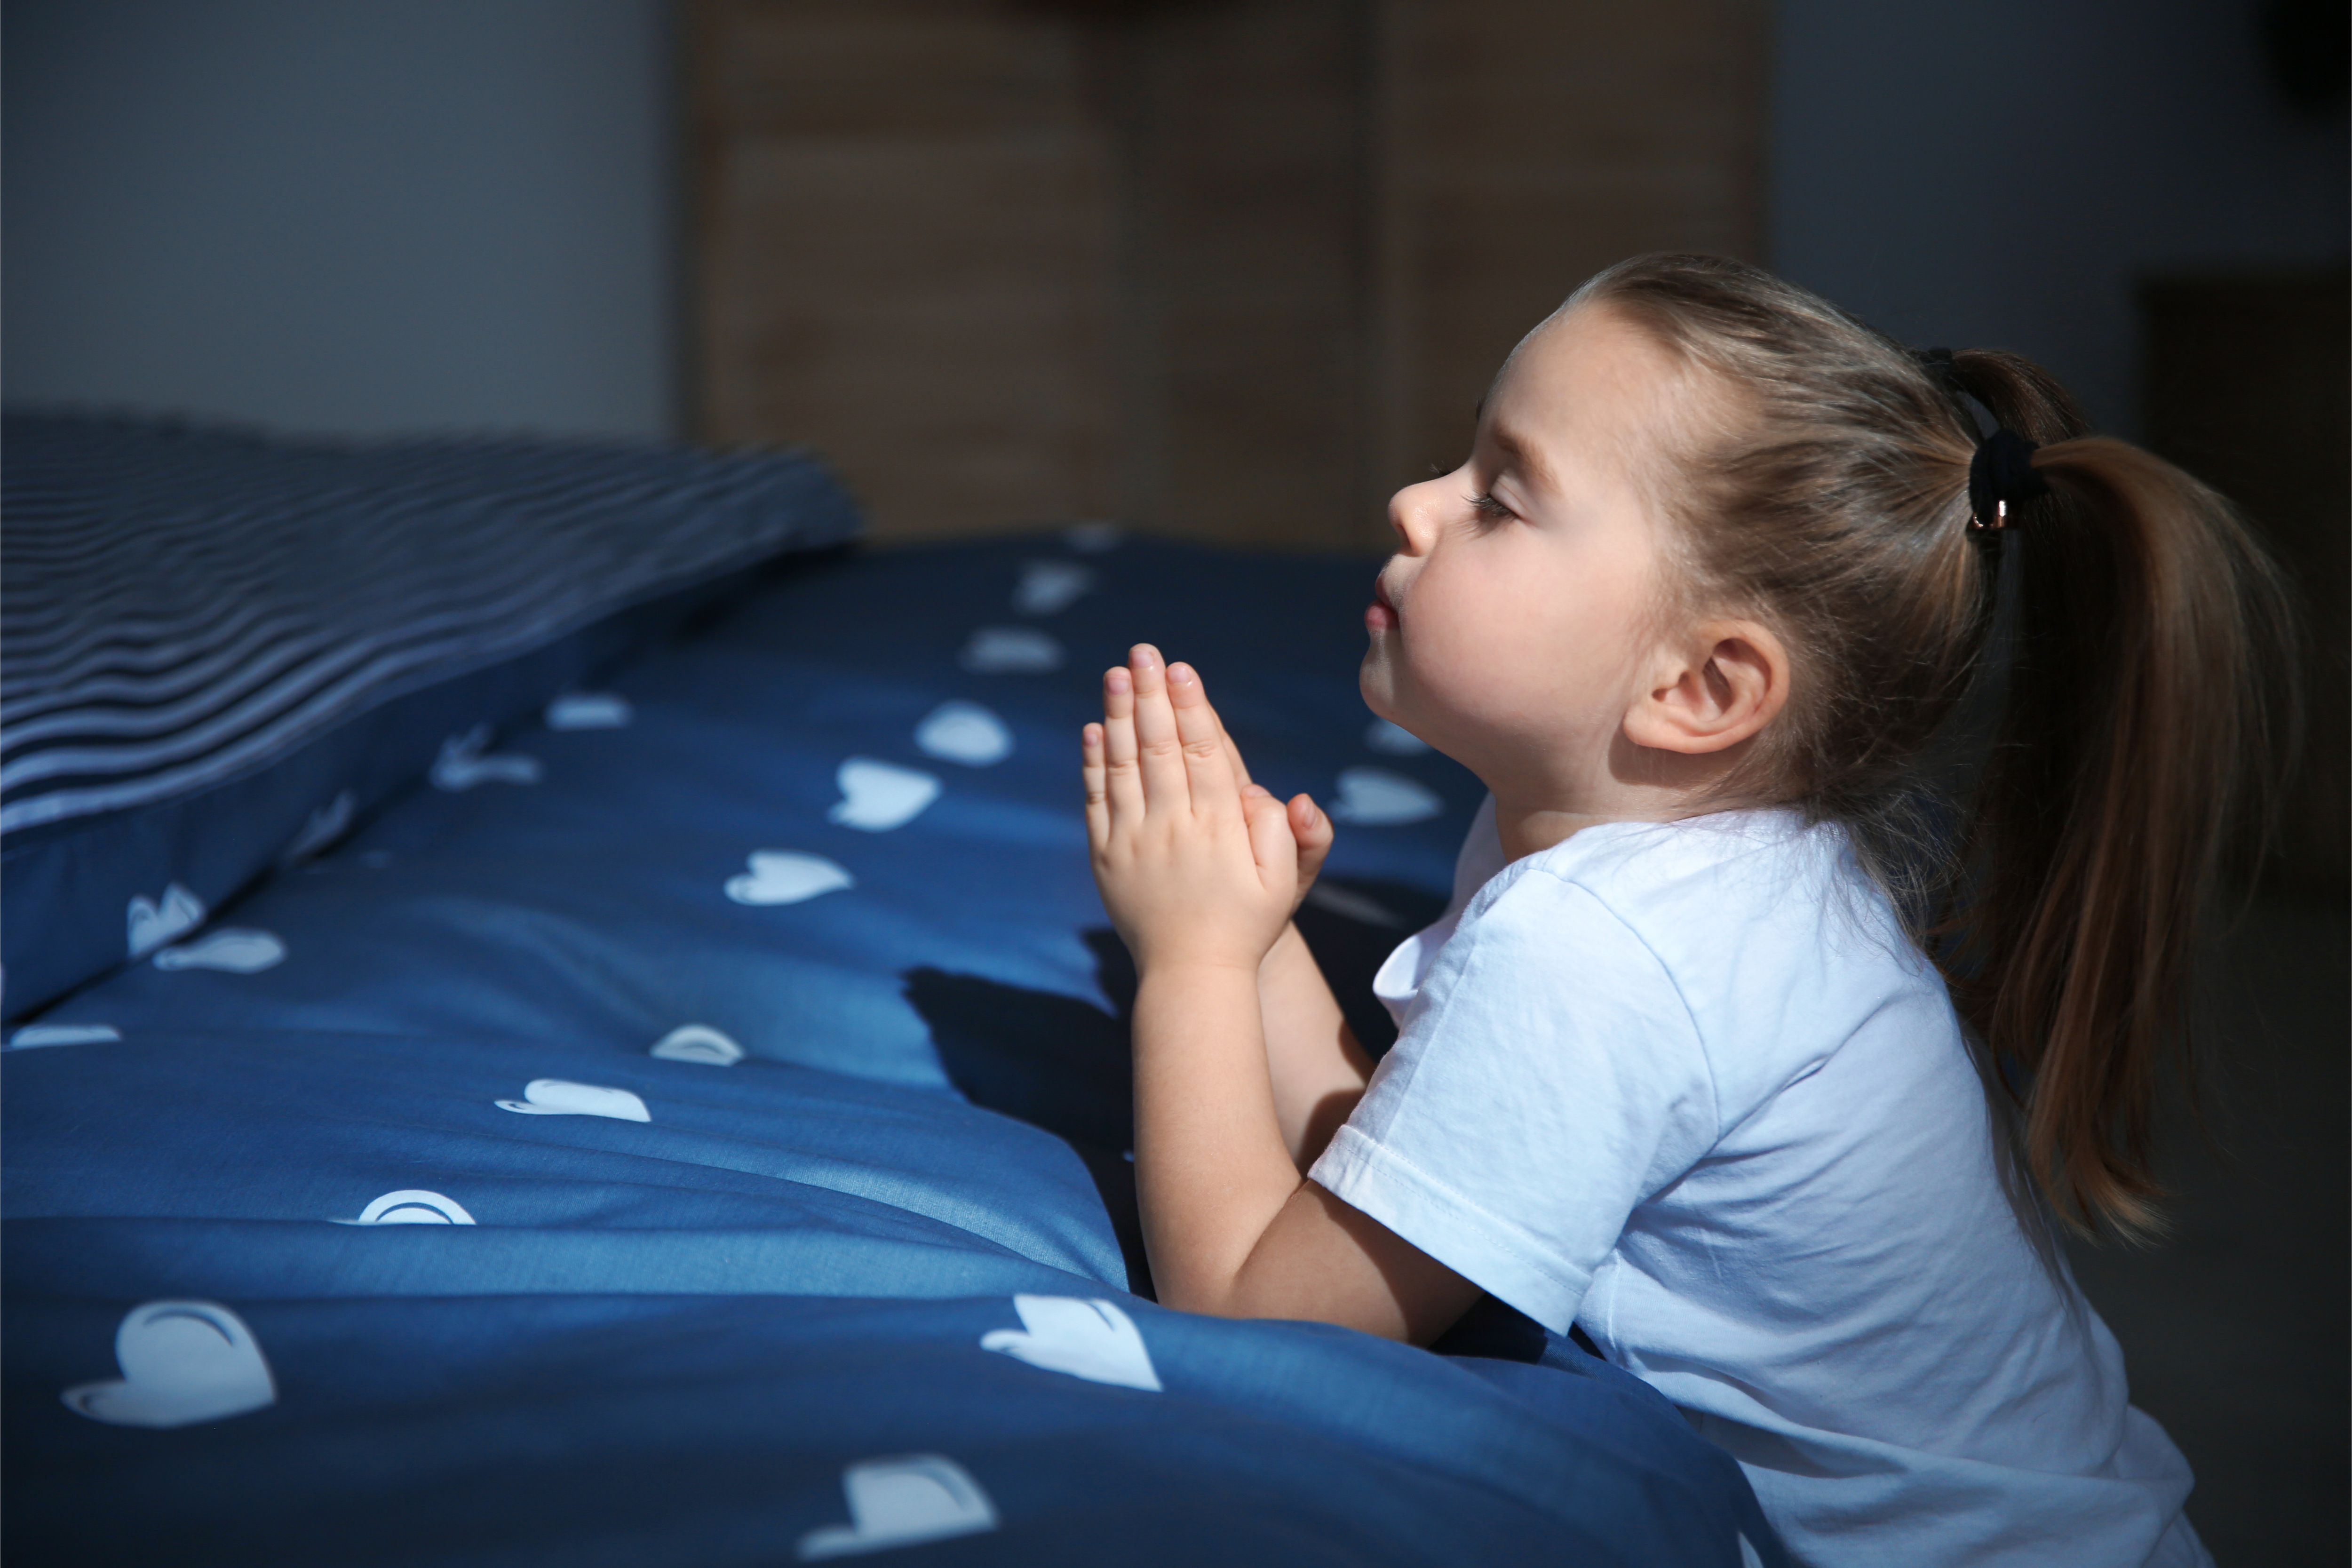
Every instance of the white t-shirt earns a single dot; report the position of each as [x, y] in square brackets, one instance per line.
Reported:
[1689, 1086]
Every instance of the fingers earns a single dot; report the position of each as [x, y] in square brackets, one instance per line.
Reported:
[1093, 770]
[1161, 747]
[1160, 752]
[1123, 784]
[1205, 745]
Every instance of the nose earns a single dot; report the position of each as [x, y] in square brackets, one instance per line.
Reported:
[1412, 512]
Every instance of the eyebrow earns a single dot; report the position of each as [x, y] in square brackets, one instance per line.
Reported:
[1524, 457]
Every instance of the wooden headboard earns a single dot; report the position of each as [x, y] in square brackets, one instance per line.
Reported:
[1228, 268]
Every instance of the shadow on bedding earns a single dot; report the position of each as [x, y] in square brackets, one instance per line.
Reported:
[1060, 1063]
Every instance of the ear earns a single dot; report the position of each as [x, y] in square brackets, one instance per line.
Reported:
[1724, 683]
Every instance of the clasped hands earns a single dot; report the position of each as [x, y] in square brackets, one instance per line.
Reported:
[1198, 867]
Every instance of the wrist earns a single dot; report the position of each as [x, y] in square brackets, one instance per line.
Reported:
[1285, 939]
[1179, 969]
[1201, 947]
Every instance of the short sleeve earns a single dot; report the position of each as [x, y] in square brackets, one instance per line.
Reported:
[1548, 1079]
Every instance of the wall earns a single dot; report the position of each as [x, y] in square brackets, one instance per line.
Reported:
[341, 217]
[429, 213]
[1997, 175]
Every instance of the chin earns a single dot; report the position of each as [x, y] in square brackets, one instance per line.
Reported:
[1372, 681]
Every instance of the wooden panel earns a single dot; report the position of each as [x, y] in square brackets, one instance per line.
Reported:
[904, 254]
[1244, 288]
[1229, 268]
[1530, 144]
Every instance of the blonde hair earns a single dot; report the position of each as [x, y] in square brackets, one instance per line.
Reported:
[2138, 720]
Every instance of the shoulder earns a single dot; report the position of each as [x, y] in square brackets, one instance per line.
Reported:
[1540, 955]
[1662, 895]
[1725, 874]
[1778, 944]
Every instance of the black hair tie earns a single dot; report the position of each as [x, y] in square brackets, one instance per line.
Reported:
[2001, 474]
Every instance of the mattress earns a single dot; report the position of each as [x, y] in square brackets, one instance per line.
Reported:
[691, 1124]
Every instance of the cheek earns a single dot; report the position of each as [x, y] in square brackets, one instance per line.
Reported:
[1467, 614]
[1503, 649]
[1458, 644]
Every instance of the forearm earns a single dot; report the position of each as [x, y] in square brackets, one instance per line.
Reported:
[1200, 871]
[1318, 1070]
[1212, 1168]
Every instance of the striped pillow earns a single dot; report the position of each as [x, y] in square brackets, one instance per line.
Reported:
[185, 612]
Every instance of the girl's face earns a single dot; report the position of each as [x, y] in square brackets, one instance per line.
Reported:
[1513, 624]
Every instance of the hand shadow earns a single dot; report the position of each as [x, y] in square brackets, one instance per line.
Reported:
[1060, 1063]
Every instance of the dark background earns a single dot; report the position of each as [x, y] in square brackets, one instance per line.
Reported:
[1234, 268]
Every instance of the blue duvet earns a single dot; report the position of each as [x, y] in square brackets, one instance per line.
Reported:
[693, 1129]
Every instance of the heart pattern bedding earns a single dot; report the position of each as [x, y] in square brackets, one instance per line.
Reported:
[693, 1127]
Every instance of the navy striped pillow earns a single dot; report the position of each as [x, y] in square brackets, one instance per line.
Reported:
[183, 610]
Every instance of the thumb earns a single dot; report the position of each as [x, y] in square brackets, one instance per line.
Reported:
[1271, 845]
[1313, 832]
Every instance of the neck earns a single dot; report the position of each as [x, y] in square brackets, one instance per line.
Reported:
[1638, 784]
[1527, 829]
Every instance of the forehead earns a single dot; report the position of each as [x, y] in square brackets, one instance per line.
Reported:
[1588, 388]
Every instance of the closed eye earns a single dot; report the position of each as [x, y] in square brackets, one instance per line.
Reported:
[1489, 510]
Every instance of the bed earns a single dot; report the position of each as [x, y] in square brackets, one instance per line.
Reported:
[557, 1012]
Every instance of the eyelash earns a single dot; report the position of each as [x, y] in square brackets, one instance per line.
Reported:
[1490, 510]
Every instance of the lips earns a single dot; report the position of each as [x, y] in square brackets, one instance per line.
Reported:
[1380, 614]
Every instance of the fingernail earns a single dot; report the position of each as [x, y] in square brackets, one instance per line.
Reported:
[1180, 675]
[1143, 654]
[1117, 681]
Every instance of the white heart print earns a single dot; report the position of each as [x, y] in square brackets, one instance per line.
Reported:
[1394, 739]
[879, 796]
[697, 1043]
[964, 732]
[182, 1362]
[1048, 587]
[412, 1205]
[1375, 797]
[327, 824]
[466, 761]
[589, 710]
[560, 1097]
[1093, 1340]
[231, 950]
[786, 876]
[900, 1502]
[1010, 650]
[34, 1035]
[154, 921]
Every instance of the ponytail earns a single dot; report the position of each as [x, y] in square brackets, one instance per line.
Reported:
[2145, 631]
[2135, 735]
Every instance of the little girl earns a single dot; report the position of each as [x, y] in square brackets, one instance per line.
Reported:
[1701, 1055]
